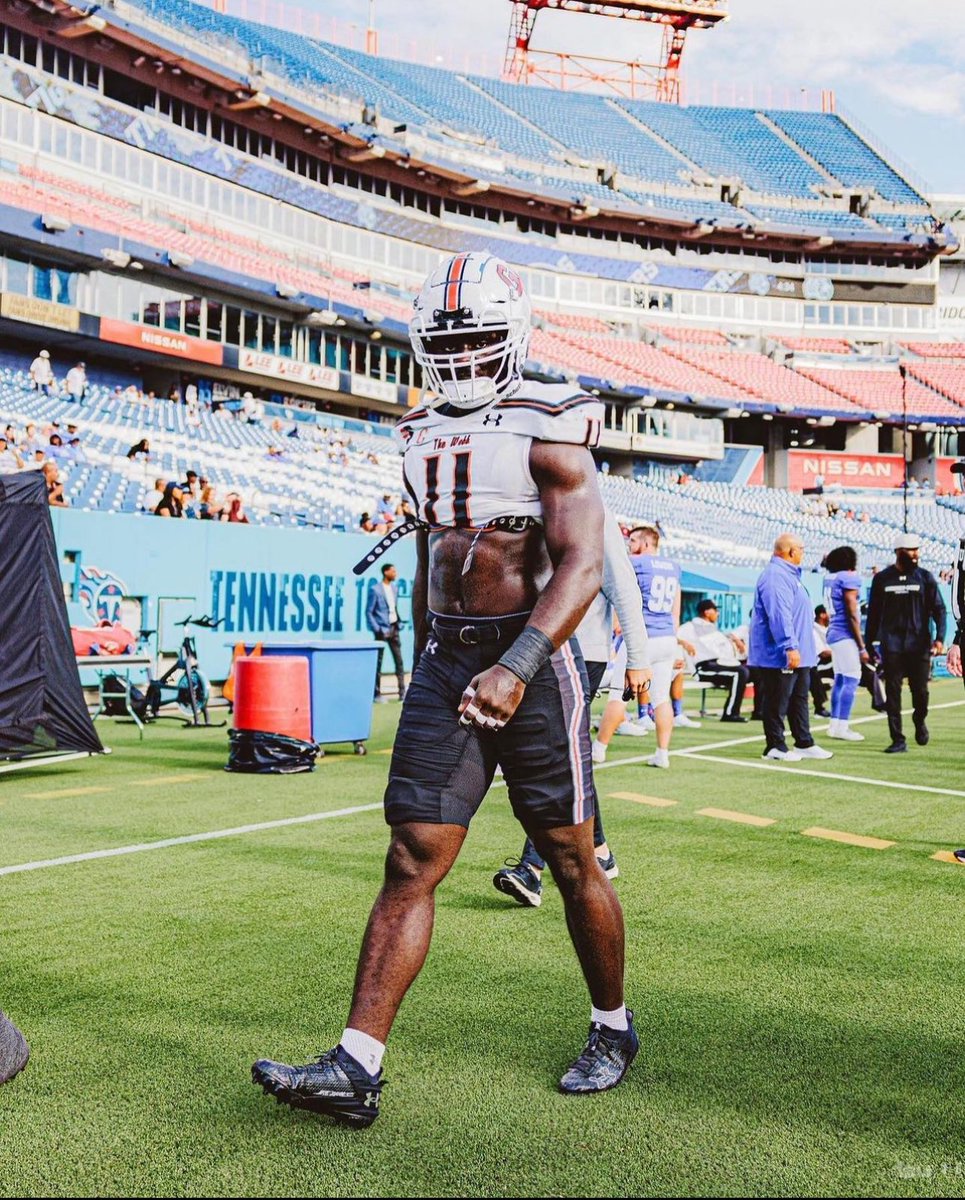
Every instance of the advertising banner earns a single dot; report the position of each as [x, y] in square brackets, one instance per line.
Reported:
[161, 341]
[843, 470]
[284, 369]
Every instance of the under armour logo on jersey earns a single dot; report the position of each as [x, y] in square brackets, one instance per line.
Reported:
[371, 1100]
[495, 418]
[431, 645]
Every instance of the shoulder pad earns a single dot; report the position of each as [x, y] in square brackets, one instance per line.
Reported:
[555, 413]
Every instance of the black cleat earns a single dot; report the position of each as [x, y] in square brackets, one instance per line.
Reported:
[14, 1050]
[736, 719]
[333, 1084]
[897, 747]
[605, 1060]
[921, 734]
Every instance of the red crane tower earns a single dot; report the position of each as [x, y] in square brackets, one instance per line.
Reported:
[562, 70]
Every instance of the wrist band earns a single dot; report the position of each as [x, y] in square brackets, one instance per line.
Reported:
[527, 654]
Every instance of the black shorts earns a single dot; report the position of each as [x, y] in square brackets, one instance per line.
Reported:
[441, 770]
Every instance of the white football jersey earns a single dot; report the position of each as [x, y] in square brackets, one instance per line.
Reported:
[467, 469]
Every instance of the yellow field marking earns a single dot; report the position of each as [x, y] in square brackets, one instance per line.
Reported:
[653, 801]
[725, 814]
[154, 780]
[389, 751]
[947, 856]
[66, 793]
[849, 839]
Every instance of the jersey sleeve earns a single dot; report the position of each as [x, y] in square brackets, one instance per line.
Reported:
[574, 421]
[851, 581]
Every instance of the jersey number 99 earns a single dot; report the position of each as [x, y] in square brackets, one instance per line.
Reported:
[663, 592]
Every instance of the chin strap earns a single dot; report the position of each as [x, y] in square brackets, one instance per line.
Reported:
[506, 524]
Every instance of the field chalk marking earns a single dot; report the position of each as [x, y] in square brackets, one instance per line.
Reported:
[141, 847]
[66, 793]
[849, 839]
[725, 814]
[653, 801]
[947, 857]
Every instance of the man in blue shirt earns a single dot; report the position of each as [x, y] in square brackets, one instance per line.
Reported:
[382, 617]
[782, 651]
[659, 580]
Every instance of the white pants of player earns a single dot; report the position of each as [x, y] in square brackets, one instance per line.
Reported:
[846, 658]
[664, 652]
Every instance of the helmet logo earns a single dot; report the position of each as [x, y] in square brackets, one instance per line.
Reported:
[511, 280]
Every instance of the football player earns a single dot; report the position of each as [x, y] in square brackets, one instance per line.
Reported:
[509, 559]
[659, 580]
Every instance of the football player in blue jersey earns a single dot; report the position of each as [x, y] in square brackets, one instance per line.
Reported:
[509, 559]
[842, 590]
[659, 580]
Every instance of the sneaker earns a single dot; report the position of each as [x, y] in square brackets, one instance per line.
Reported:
[520, 882]
[682, 721]
[631, 729]
[647, 724]
[333, 1084]
[897, 747]
[598, 752]
[822, 712]
[605, 1060]
[609, 866]
[813, 752]
[661, 760]
[843, 734]
[14, 1051]
[959, 856]
[734, 720]
[782, 755]
[921, 734]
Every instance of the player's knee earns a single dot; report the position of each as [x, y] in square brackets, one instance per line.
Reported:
[413, 865]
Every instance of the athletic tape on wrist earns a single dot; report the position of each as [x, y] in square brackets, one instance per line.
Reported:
[527, 654]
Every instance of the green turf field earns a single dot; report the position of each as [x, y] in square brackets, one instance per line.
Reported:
[799, 999]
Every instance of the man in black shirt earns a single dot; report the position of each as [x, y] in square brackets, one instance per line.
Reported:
[904, 602]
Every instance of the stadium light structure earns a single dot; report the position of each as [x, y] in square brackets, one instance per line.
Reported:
[287, 291]
[55, 223]
[178, 258]
[475, 188]
[244, 101]
[323, 316]
[366, 153]
[82, 28]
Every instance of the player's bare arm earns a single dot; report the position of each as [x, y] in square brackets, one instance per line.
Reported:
[573, 532]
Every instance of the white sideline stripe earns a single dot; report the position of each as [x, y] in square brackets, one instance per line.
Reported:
[771, 766]
[141, 847]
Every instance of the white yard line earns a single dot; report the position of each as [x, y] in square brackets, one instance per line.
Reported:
[141, 847]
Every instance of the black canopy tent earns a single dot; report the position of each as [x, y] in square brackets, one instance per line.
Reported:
[42, 709]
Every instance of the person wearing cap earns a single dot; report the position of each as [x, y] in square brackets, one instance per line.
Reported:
[76, 382]
[10, 459]
[717, 658]
[904, 604]
[41, 373]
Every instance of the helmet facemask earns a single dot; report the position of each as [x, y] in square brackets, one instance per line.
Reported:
[469, 366]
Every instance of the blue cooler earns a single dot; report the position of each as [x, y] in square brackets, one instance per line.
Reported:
[342, 678]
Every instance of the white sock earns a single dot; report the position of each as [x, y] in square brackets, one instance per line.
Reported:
[834, 726]
[366, 1051]
[598, 745]
[617, 1019]
[662, 755]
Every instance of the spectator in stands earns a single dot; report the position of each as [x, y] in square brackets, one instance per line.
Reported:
[905, 602]
[210, 508]
[406, 512]
[385, 512]
[823, 673]
[191, 486]
[717, 658]
[171, 504]
[76, 382]
[132, 393]
[783, 652]
[191, 395]
[10, 459]
[11, 435]
[75, 451]
[42, 374]
[247, 404]
[154, 498]
[366, 524]
[233, 511]
[141, 448]
[55, 489]
[57, 450]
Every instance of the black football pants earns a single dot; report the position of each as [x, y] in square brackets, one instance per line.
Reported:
[732, 677]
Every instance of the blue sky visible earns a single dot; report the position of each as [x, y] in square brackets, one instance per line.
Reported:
[898, 68]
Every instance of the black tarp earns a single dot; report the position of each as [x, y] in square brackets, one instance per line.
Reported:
[42, 709]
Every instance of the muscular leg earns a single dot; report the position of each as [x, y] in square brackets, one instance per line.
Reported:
[593, 913]
[663, 718]
[400, 928]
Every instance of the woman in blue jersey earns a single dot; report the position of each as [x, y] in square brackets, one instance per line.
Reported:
[842, 591]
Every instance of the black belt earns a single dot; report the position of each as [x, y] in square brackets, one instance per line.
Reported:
[510, 524]
[482, 631]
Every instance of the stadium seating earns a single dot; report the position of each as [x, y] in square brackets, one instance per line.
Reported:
[880, 392]
[841, 152]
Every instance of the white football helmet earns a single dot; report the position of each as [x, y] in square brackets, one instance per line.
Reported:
[470, 330]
